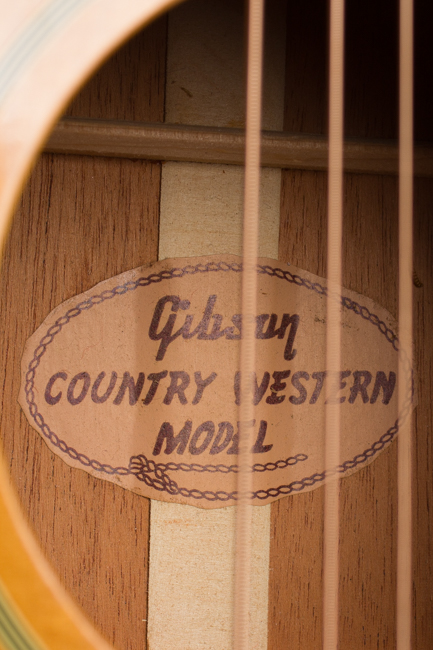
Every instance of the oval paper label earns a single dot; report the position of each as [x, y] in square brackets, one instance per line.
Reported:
[136, 381]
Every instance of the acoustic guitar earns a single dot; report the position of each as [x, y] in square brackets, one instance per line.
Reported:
[122, 143]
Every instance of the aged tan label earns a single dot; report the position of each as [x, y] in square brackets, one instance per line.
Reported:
[136, 381]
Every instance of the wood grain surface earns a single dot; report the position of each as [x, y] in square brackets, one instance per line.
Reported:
[370, 257]
[82, 220]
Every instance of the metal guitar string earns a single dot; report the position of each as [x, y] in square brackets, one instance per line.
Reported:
[333, 351]
[405, 296]
[249, 290]
[333, 329]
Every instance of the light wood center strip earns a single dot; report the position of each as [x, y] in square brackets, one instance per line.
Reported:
[192, 551]
[190, 143]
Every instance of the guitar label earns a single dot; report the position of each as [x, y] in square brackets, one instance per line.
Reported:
[137, 381]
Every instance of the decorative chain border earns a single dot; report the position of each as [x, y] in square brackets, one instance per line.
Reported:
[140, 466]
[140, 463]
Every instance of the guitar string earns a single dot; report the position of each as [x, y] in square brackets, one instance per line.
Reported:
[333, 329]
[249, 290]
[405, 300]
